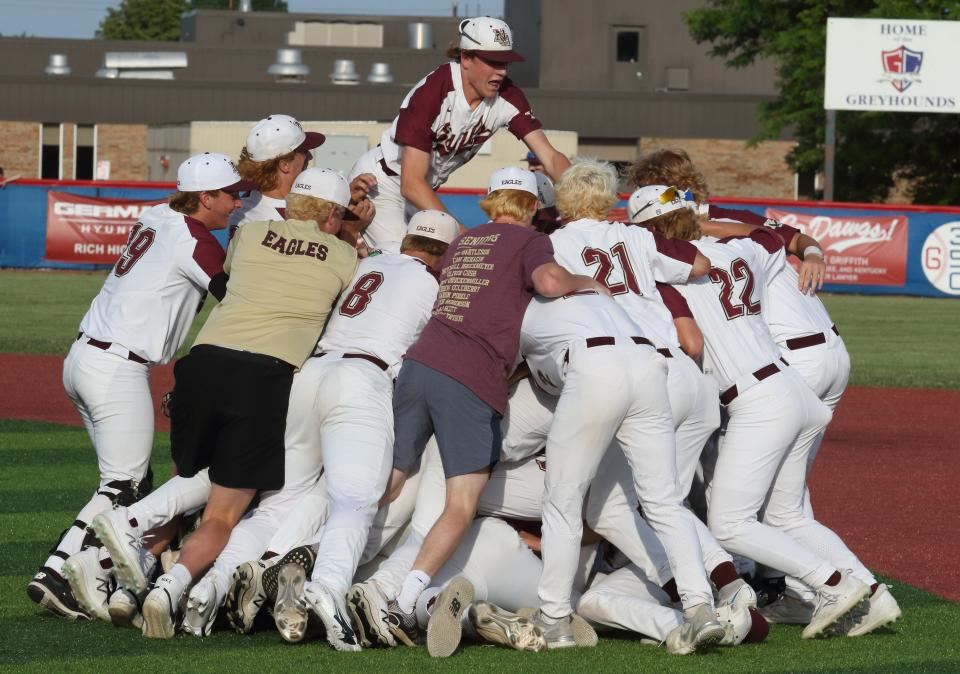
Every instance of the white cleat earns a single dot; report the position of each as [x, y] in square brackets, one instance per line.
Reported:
[125, 544]
[332, 611]
[245, 596]
[583, 633]
[881, 610]
[124, 608]
[788, 610]
[290, 611]
[159, 613]
[202, 605]
[502, 627]
[833, 603]
[368, 608]
[444, 630]
[90, 583]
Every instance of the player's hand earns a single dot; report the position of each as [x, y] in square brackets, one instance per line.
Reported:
[365, 210]
[360, 186]
[531, 541]
[813, 270]
[363, 250]
[165, 402]
[600, 288]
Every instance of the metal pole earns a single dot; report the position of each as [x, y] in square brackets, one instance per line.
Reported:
[829, 152]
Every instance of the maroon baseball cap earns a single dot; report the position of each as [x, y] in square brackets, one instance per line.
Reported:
[490, 38]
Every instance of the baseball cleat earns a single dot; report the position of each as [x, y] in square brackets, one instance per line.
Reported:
[557, 634]
[788, 610]
[124, 541]
[403, 626]
[245, 596]
[159, 613]
[124, 608]
[368, 608]
[304, 556]
[201, 608]
[707, 629]
[502, 627]
[49, 589]
[332, 611]
[90, 583]
[444, 629]
[583, 633]
[743, 596]
[833, 603]
[290, 611]
[881, 610]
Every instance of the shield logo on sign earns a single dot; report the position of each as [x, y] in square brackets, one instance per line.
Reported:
[904, 62]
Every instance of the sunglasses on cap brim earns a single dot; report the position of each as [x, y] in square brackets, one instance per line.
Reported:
[668, 196]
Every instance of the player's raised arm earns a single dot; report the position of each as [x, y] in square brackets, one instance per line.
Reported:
[413, 180]
[554, 162]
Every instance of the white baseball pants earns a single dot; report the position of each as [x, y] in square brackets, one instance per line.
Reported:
[599, 402]
[627, 600]
[393, 211]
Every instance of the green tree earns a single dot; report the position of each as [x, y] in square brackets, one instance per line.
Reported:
[873, 148]
[143, 20]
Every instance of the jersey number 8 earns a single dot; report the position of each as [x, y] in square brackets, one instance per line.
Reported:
[359, 297]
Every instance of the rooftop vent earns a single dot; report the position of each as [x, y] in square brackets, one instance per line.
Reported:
[380, 74]
[142, 65]
[246, 5]
[58, 65]
[289, 67]
[420, 35]
[344, 72]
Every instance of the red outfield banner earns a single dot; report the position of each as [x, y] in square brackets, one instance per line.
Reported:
[89, 229]
[859, 250]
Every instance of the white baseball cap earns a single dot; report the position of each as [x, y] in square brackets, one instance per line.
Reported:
[437, 225]
[211, 171]
[327, 184]
[545, 192]
[490, 38]
[278, 135]
[650, 201]
[513, 178]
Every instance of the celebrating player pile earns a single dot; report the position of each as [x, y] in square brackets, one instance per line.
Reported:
[490, 434]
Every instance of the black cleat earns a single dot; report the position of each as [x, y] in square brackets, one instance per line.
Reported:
[305, 556]
[49, 589]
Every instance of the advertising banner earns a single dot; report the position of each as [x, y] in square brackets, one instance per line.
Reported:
[90, 230]
[893, 65]
[858, 250]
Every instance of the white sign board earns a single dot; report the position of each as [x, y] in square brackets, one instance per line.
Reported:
[893, 65]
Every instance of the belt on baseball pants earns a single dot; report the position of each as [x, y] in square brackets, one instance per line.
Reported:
[364, 356]
[608, 341]
[105, 346]
[731, 393]
[810, 340]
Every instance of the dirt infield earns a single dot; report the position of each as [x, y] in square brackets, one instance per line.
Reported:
[883, 479]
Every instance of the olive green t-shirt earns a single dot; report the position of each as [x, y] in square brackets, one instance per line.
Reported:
[284, 279]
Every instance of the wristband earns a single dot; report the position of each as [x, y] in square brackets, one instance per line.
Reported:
[812, 250]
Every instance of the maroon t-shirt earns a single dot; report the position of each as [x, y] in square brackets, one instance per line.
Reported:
[486, 282]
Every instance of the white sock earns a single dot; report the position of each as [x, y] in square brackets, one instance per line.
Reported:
[414, 584]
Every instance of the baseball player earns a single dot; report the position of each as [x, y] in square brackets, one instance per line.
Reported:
[443, 122]
[454, 379]
[140, 317]
[773, 416]
[586, 348]
[276, 151]
[231, 392]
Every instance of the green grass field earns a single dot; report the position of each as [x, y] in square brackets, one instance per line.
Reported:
[48, 471]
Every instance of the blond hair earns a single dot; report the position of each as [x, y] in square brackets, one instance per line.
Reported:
[588, 189]
[669, 167]
[515, 204]
[265, 173]
[682, 223]
[304, 207]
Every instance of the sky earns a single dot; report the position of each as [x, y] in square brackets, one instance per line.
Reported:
[80, 18]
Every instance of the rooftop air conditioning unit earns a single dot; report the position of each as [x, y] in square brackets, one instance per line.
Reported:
[58, 65]
[289, 67]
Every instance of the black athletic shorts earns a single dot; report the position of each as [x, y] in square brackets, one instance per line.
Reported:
[229, 413]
